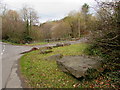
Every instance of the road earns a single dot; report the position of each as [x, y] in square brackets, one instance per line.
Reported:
[10, 55]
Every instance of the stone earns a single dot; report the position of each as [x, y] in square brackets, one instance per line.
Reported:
[54, 57]
[49, 47]
[62, 44]
[45, 51]
[73, 39]
[67, 44]
[33, 49]
[78, 65]
[59, 45]
[77, 39]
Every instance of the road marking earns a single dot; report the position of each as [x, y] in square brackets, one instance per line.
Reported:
[3, 50]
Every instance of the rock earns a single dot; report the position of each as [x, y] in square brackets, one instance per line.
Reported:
[54, 57]
[73, 39]
[49, 47]
[33, 49]
[45, 51]
[77, 39]
[62, 44]
[78, 65]
[67, 44]
[59, 45]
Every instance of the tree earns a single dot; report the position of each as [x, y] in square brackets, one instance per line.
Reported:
[46, 29]
[12, 27]
[72, 20]
[60, 30]
[85, 10]
[3, 9]
[107, 38]
[29, 17]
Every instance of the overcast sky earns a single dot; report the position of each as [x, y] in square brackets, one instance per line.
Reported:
[49, 9]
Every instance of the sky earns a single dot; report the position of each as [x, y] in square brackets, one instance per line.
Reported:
[49, 9]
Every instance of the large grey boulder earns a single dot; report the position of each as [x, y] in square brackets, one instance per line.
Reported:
[78, 65]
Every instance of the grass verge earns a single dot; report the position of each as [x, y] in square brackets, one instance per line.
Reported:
[39, 73]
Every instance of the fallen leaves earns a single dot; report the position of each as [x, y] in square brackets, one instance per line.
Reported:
[76, 85]
[101, 83]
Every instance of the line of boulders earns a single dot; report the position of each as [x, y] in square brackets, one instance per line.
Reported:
[45, 51]
[61, 39]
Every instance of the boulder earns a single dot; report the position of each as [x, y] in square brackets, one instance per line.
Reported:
[62, 44]
[67, 44]
[33, 49]
[78, 65]
[49, 47]
[45, 51]
[73, 39]
[54, 57]
[59, 45]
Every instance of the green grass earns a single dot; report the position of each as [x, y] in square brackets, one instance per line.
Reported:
[39, 73]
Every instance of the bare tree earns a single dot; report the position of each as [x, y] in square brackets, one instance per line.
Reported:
[30, 17]
[12, 27]
[3, 9]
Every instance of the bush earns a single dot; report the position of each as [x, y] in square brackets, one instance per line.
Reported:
[106, 42]
[27, 39]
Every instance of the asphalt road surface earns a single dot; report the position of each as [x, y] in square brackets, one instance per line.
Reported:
[10, 55]
[9, 63]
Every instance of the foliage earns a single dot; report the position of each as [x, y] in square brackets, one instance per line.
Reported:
[20, 26]
[27, 38]
[92, 74]
[106, 40]
[39, 73]
[17, 29]
[85, 9]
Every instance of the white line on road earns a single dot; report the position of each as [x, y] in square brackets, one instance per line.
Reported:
[3, 50]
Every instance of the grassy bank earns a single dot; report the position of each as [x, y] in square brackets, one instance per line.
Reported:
[45, 74]
[41, 73]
